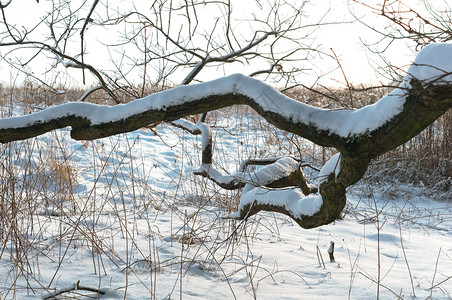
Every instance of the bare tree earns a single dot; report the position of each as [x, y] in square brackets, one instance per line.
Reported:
[417, 104]
[150, 46]
[396, 118]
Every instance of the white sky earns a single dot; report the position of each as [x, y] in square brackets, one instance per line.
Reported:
[345, 39]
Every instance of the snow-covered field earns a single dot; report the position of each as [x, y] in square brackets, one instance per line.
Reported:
[124, 215]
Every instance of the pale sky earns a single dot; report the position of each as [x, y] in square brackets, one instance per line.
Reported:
[344, 39]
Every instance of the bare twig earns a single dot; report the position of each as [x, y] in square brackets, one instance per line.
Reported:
[82, 35]
[75, 287]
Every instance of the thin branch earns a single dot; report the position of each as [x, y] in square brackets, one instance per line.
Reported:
[19, 39]
[74, 287]
[5, 5]
[82, 35]
[89, 92]
[349, 86]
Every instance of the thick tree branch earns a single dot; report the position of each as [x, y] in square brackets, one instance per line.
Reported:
[311, 211]
[359, 135]
[419, 106]
[281, 173]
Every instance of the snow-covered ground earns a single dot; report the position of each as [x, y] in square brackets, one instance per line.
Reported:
[134, 222]
[124, 216]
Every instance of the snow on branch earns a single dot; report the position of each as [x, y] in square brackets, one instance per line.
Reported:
[198, 128]
[343, 123]
[300, 205]
[358, 135]
[277, 173]
[187, 126]
[342, 129]
[282, 173]
[311, 210]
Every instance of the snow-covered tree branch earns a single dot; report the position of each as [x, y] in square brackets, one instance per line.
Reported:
[359, 135]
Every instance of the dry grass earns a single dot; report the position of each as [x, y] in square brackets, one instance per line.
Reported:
[41, 216]
[37, 179]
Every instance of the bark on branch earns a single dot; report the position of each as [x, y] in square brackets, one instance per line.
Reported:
[332, 128]
[390, 122]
